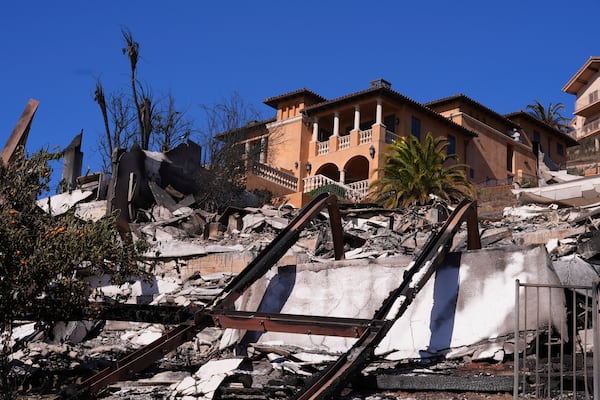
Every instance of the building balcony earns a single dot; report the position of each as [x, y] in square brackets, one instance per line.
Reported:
[586, 108]
[347, 142]
[589, 129]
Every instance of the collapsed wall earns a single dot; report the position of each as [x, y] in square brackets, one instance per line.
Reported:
[451, 312]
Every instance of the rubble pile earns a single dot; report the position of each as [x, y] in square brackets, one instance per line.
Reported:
[196, 254]
[215, 365]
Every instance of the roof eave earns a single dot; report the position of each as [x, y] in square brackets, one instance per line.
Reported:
[569, 86]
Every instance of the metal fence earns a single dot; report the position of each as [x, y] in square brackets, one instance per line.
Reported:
[551, 363]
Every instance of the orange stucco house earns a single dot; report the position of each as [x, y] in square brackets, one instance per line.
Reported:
[340, 143]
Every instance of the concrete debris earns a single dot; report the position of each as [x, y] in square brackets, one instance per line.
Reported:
[61, 203]
[464, 314]
[205, 382]
[197, 253]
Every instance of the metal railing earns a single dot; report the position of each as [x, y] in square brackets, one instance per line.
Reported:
[558, 364]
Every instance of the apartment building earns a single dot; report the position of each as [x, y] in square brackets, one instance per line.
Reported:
[313, 142]
[585, 85]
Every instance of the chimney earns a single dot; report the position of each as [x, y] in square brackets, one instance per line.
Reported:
[381, 83]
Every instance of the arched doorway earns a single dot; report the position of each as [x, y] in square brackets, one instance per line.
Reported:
[357, 169]
[329, 170]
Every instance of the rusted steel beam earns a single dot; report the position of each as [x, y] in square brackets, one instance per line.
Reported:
[145, 356]
[332, 379]
[161, 314]
[327, 383]
[18, 137]
[142, 358]
[290, 323]
[273, 252]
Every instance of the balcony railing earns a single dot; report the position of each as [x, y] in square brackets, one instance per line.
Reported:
[274, 175]
[361, 187]
[365, 136]
[323, 148]
[390, 137]
[588, 100]
[355, 191]
[344, 142]
[590, 128]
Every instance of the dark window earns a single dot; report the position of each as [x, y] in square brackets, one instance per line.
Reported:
[451, 145]
[323, 135]
[536, 137]
[560, 149]
[390, 122]
[415, 127]
[471, 173]
[509, 158]
[255, 147]
[366, 125]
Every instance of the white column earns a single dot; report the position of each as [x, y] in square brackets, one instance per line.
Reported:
[263, 149]
[356, 117]
[247, 148]
[315, 137]
[379, 114]
[342, 176]
[336, 124]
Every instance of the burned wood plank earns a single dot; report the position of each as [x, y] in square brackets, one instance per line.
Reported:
[18, 137]
[161, 314]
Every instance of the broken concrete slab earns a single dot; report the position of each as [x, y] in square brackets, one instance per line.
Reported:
[71, 331]
[589, 244]
[179, 248]
[205, 382]
[63, 202]
[440, 318]
[565, 191]
[574, 270]
[462, 291]
[91, 210]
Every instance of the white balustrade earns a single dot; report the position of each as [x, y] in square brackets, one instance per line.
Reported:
[323, 148]
[274, 175]
[355, 191]
[344, 142]
[365, 136]
[361, 188]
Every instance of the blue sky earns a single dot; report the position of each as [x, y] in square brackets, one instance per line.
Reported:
[503, 54]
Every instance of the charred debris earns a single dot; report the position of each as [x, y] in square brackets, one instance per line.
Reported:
[266, 302]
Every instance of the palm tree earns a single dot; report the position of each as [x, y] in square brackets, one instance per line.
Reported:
[143, 108]
[550, 115]
[413, 170]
